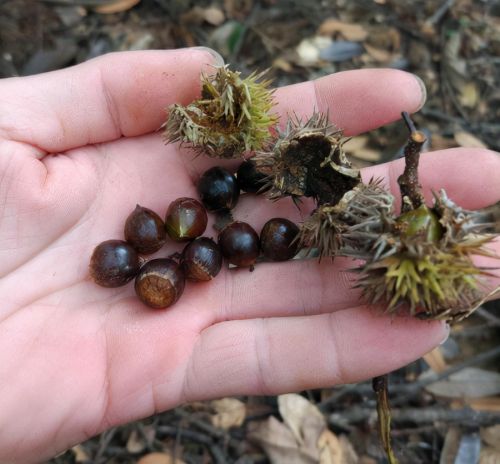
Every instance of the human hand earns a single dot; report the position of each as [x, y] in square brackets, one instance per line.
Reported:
[78, 150]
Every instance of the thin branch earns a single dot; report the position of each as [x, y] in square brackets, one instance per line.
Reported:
[384, 415]
[411, 191]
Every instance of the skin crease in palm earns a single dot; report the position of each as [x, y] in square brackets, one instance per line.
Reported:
[79, 148]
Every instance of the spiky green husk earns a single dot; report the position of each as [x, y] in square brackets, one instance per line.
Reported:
[432, 274]
[231, 118]
[346, 226]
[436, 284]
[307, 159]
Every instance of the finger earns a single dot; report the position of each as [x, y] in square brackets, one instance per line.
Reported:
[100, 100]
[272, 356]
[356, 101]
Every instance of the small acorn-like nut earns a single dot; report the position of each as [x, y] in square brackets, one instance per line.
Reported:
[160, 283]
[218, 189]
[250, 179]
[114, 263]
[278, 239]
[186, 219]
[201, 259]
[145, 230]
[239, 244]
[421, 221]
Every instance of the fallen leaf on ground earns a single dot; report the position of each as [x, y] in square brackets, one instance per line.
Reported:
[471, 382]
[450, 445]
[378, 54]
[489, 456]
[435, 360]
[491, 404]
[116, 7]
[336, 450]
[354, 32]
[80, 454]
[469, 95]
[467, 140]
[135, 443]
[279, 443]
[301, 416]
[159, 458]
[230, 412]
[197, 15]
[491, 436]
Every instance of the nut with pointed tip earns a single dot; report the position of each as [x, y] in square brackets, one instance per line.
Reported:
[239, 244]
[218, 189]
[145, 230]
[186, 219]
[278, 239]
[201, 259]
[114, 263]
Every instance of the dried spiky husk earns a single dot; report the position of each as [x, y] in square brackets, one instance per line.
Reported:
[352, 225]
[434, 278]
[232, 116]
[307, 159]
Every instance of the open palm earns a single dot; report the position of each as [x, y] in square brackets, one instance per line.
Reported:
[78, 150]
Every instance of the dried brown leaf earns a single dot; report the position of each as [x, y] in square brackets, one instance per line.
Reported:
[491, 436]
[197, 15]
[378, 54]
[279, 443]
[469, 95]
[80, 453]
[159, 458]
[435, 360]
[301, 416]
[135, 443]
[230, 412]
[471, 382]
[491, 404]
[352, 32]
[489, 456]
[450, 446]
[330, 449]
[116, 6]
[350, 455]
[467, 140]
[336, 450]
[214, 16]
[282, 64]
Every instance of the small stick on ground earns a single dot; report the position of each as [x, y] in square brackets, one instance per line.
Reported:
[384, 415]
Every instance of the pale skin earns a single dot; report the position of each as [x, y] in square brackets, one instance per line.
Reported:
[78, 149]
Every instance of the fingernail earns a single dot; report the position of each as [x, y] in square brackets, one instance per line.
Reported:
[217, 58]
[447, 335]
[423, 91]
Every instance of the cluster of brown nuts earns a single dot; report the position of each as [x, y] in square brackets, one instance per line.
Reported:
[160, 282]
